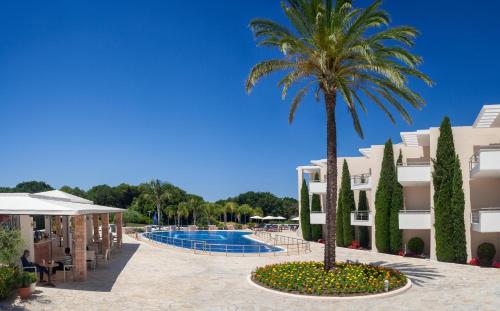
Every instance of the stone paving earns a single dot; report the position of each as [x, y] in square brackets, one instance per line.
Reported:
[146, 277]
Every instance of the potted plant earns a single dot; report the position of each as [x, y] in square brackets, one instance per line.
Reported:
[25, 282]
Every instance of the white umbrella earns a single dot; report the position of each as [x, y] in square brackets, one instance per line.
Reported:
[255, 217]
[280, 218]
[269, 218]
[295, 219]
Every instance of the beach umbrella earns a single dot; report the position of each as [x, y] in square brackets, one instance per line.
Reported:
[295, 219]
[280, 218]
[269, 218]
[255, 217]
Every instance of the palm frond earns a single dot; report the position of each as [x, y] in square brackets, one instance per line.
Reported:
[296, 102]
[265, 68]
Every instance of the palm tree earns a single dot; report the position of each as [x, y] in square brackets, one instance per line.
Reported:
[156, 193]
[340, 50]
[228, 207]
[211, 210]
[246, 210]
[182, 211]
[195, 207]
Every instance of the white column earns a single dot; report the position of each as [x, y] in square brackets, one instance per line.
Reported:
[26, 223]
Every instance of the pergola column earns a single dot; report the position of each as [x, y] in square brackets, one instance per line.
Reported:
[95, 221]
[119, 227]
[105, 232]
[58, 225]
[80, 251]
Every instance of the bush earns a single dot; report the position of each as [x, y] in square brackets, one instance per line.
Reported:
[8, 278]
[10, 245]
[25, 279]
[238, 226]
[251, 225]
[310, 278]
[486, 252]
[131, 216]
[416, 245]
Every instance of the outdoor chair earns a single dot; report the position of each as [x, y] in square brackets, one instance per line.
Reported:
[104, 257]
[91, 259]
[68, 268]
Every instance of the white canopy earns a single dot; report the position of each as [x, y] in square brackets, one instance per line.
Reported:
[44, 204]
[295, 218]
[269, 218]
[280, 218]
[255, 217]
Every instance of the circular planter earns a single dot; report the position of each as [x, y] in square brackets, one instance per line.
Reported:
[24, 292]
[333, 298]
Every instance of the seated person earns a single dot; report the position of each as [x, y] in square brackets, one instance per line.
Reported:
[26, 264]
[66, 260]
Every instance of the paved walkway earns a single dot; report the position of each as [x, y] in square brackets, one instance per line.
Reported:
[144, 277]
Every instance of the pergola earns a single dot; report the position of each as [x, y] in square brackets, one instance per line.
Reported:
[58, 203]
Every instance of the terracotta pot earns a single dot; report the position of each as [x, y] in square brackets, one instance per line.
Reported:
[24, 292]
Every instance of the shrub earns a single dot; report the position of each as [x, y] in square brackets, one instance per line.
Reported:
[416, 245]
[486, 252]
[310, 278]
[10, 245]
[238, 226]
[25, 279]
[131, 216]
[251, 225]
[8, 277]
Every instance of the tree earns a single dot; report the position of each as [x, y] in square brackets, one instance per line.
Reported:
[339, 229]
[364, 236]
[195, 206]
[315, 207]
[245, 210]
[383, 200]
[444, 164]
[228, 208]
[211, 210]
[156, 192]
[305, 217]
[457, 207]
[32, 187]
[74, 191]
[340, 50]
[11, 244]
[397, 203]
[182, 211]
[103, 195]
[348, 205]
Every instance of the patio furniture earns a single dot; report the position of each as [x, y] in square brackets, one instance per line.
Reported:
[50, 267]
[91, 259]
[67, 268]
[104, 257]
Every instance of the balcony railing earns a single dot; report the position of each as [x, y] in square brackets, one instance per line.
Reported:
[486, 219]
[414, 173]
[361, 179]
[361, 215]
[415, 219]
[490, 155]
[361, 218]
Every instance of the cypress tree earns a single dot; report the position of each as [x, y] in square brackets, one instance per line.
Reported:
[315, 207]
[457, 206]
[364, 237]
[305, 217]
[383, 200]
[348, 205]
[397, 203]
[443, 174]
[339, 228]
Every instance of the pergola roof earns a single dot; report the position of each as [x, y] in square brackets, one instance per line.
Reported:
[50, 203]
[489, 116]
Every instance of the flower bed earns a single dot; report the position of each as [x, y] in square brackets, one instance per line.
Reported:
[309, 278]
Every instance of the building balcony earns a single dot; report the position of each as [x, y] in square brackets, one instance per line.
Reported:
[485, 163]
[361, 218]
[416, 219]
[317, 218]
[317, 187]
[486, 220]
[414, 174]
[361, 182]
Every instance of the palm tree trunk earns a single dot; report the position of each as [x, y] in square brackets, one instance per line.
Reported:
[331, 182]
[225, 218]
[158, 208]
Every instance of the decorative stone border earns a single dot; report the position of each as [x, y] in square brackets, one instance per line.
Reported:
[333, 298]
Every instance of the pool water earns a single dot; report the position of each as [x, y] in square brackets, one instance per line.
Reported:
[213, 241]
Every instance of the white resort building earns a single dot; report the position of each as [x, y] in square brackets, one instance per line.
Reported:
[478, 147]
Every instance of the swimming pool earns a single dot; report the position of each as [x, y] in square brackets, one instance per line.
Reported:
[213, 241]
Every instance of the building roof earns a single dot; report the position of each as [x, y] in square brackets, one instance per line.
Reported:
[489, 116]
[50, 203]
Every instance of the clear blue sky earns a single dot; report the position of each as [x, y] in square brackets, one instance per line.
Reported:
[125, 91]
